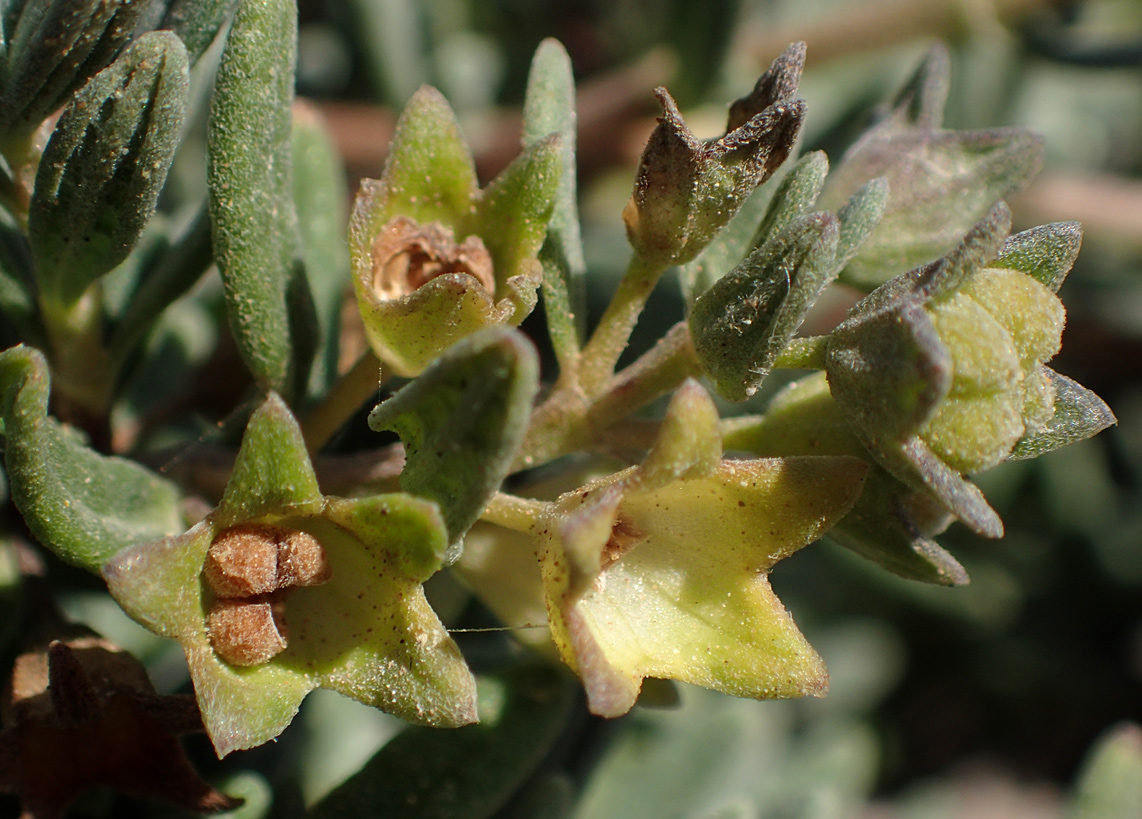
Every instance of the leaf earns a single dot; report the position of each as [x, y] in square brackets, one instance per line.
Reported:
[461, 423]
[1045, 253]
[83, 506]
[1110, 785]
[469, 772]
[249, 174]
[54, 48]
[549, 108]
[197, 22]
[100, 176]
[1079, 414]
[794, 196]
[320, 196]
[742, 323]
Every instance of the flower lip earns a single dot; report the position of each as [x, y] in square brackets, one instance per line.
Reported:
[407, 255]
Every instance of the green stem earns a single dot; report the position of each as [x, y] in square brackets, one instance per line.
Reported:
[515, 513]
[804, 354]
[607, 342]
[343, 399]
[658, 371]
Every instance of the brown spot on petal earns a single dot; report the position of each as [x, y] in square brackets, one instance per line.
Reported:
[246, 632]
[407, 255]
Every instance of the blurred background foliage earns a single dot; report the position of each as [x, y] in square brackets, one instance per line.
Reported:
[980, 701]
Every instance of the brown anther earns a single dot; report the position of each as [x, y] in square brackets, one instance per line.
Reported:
[243, 561]
[407, 255]
[302, 561]
[624, 537]
[247, 632]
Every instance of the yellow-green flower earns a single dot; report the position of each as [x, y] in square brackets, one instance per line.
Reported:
[661, 570]
[281, 590]
[436, 258]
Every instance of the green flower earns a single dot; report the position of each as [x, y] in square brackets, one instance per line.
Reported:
[436, 258]
[281, 590]
[941, 370]
[661, 570]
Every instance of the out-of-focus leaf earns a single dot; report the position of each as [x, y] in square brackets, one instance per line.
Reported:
[470, 772]
[549, 108]
[320, 197]
[249, 173]
[1110, 786]
[55, 46]
[100, 176]
[17, 287]
[83, 506]
[461, 423]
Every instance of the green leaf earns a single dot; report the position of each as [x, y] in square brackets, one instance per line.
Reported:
[54, 48]
[462, 421]
[1110, 785]
[726, 249]
[251, 197]
[17, 286]
[197, 22]
[549, 108]
[1045, 253]
[1079, 414]
[320, 196]
[794, 196]
[742, 323]
[83, 506]
[469, 772]
[101, 173]
[180, 265]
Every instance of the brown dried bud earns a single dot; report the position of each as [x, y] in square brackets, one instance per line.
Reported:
[407, 255]
[243, 561]
[246, 632]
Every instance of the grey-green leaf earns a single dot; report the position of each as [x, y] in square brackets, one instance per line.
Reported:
[1079, 414]
[462, 421]
[549, 108]
[196, 22]
[471, 772]
[54, 48]
[83, 506]
[100, 176]
[250, 181]
[742, 323]
[1045, 253]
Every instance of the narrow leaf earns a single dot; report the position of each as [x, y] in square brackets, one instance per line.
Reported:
[101, 173]
[1045, 253]
[549, 108]
[83, 506]
[54, 48]
[251, 196]
[197, 22]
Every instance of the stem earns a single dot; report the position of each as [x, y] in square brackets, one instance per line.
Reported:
[804, 354]
[658, 371]
[513, 512]
[343, 399]
[602, 351]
